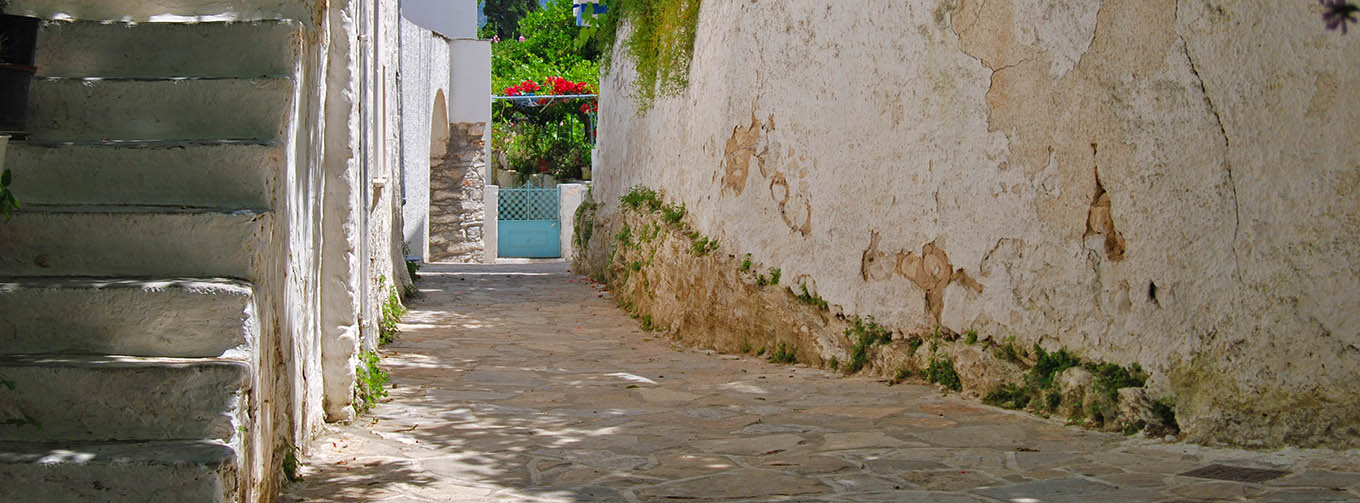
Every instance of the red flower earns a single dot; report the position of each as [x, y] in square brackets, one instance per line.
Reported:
[585, 108]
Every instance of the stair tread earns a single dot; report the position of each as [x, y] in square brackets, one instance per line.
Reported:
[134, 208]
[160, 78]
[227, 285]
[106, 362]
[165, 452]
[148, 144]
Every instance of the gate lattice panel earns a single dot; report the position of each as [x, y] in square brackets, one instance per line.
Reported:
[529, 225]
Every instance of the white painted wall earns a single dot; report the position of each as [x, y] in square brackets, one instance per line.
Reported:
[451, 18]
[570, 196]
[424, 81]
[838, 145]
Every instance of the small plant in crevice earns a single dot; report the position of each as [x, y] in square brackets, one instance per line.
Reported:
[290, 464]
[625, 237]
[672, 214]
[370, 382]
[392, 312]
[1009, 396]
[810, 298]
[900, 376]
[8, 203]
[915, 343]
[412, 264]
[1109, 378]
[1007, 351]
[647, 325]
[783, 354]
[701, 245]
[970, 338]
[774, 275]
[941, 371]
[639, 196]
[865, 333]
[835, 363]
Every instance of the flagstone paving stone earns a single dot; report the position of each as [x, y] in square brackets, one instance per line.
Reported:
[524, 383]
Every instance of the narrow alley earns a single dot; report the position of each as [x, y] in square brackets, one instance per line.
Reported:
[524, 382]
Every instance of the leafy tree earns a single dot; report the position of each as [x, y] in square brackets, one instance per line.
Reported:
[503, 16]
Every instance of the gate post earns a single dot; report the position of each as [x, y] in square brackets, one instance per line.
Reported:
[570, 195]
[491, 197]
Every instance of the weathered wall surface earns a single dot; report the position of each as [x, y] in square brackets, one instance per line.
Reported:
[1142, 181]
[424, 126]
[456, 204]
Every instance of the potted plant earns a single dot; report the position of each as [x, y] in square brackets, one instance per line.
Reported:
[18, 39]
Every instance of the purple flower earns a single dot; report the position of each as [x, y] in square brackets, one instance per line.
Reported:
[1336, 13]
[495, 38]
[521, 37]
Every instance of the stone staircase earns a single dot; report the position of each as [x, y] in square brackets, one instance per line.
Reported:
[129, 311]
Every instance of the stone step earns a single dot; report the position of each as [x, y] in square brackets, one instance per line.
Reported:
[101, 397]
[74, 109]
[183, 11]
[219, 174]
[197, 471]
[133, 241]
[242, 49]
[178, 317]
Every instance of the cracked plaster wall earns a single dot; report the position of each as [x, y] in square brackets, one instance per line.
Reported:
[1152, 181]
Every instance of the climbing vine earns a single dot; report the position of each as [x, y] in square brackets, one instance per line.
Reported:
[660, 43]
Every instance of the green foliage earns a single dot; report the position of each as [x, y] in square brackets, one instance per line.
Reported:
[810, 298]
[503, 16]
[640, 196]
[625, 236]
[585, 220]
[774, 276]
[1109, 378]
[783, 354]
[746, 263]
[660, 43]
[1048, 365]
[700, 245]
[902, 374]
[647, 325]
[835, 363]
[1007, 351]
[371, 382]
[672, 214]
[290, 463]
[1165, 410]
[866, 333]
[1008, 395]
[413, 267]
[970, 338]
[1052, 400]
[915, 343]
[8, 203]
[551, 137]
[941, 371]
[392, 312]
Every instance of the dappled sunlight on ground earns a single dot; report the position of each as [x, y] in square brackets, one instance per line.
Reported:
[522, 382]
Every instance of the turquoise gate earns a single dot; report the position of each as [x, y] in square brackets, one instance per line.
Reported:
[529, 225]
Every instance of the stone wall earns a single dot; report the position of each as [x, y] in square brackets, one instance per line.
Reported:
[1139, 181]
[456, 206]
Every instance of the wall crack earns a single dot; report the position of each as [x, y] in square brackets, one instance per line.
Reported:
[1227, 145]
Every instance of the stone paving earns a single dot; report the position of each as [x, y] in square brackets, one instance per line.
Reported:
[523, 382]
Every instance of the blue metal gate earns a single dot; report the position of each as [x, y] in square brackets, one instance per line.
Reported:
[529, 225]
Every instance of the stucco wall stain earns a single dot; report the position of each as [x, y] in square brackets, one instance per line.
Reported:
[1100, 221]
[744, 144]
[930, 270]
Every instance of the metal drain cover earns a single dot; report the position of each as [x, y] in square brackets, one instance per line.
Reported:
[1235, 473]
